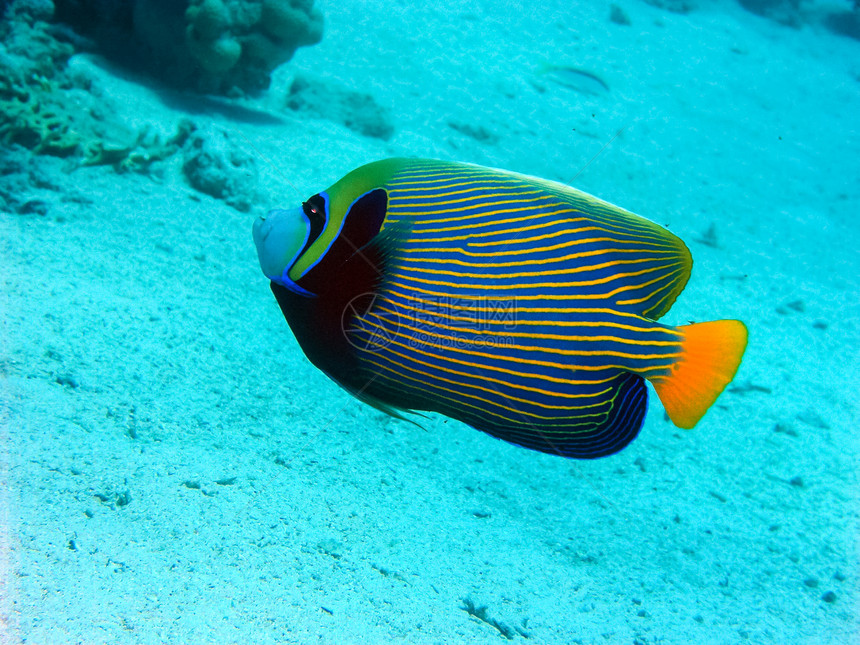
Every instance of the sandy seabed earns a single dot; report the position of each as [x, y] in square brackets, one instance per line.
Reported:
[175, 471]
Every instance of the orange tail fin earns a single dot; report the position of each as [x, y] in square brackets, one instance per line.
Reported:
[712, 352]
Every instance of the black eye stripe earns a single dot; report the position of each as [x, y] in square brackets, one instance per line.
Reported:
[361, 224]
[315, 210]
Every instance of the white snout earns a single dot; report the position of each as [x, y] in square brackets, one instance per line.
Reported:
[280, 236]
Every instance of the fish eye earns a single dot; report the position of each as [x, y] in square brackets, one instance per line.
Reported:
[314, 208]
[316, 211]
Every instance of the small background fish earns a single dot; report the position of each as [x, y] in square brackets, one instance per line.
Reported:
[574, 78]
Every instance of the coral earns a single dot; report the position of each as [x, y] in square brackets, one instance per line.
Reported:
[33, 119]
[207, 20]
[215, 166]
[618, 15]
[786, 12]
[32, 104]
[48, 110]
[357, 111]
[218, 56]
[675, 6]
[846, 23]
[291, 22]
[37, 9]
[51, 112]
[212, 46]
[477, 132]
[18, 180]
[208, 38]
[148, 149]
[239, 43]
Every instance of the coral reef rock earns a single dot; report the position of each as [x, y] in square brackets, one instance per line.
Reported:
[214, 165]
[846, 23]
[786, 12]
[49, 109]
[39, 104]
[211, 46]
[323, 100]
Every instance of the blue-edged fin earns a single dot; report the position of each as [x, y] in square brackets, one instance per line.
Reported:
[626, 405]
[711, 354]
[646, 265]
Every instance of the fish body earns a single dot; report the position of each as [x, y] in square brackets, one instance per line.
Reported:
[522, 307]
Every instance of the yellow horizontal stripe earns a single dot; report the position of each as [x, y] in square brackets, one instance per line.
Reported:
[519, 360]
[457, 402]
[399, 189]
[545, 285]
[516, 334]
[473, 194]
[614, 236]
[670, 286]
[518, 322]
[445, 171]
[441, 174]
[567, 298]
[545, 272]
[434, 379]
[423, 215]
[536, 376]
[547, 236]
[474, 202]
[408, 295]
[645, 254]
[490, 379]
[511, 238]
[459, 405]
[639, 243]
[445, 342]
[418, 235]
[596, 208]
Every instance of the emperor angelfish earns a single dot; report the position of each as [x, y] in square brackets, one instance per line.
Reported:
[522, 307]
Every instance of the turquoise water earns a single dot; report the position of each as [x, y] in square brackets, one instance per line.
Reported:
[175, 470]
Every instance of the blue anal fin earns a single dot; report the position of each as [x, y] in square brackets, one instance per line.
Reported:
[606, 437]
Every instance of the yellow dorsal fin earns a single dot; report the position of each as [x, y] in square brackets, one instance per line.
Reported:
[712, 352]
